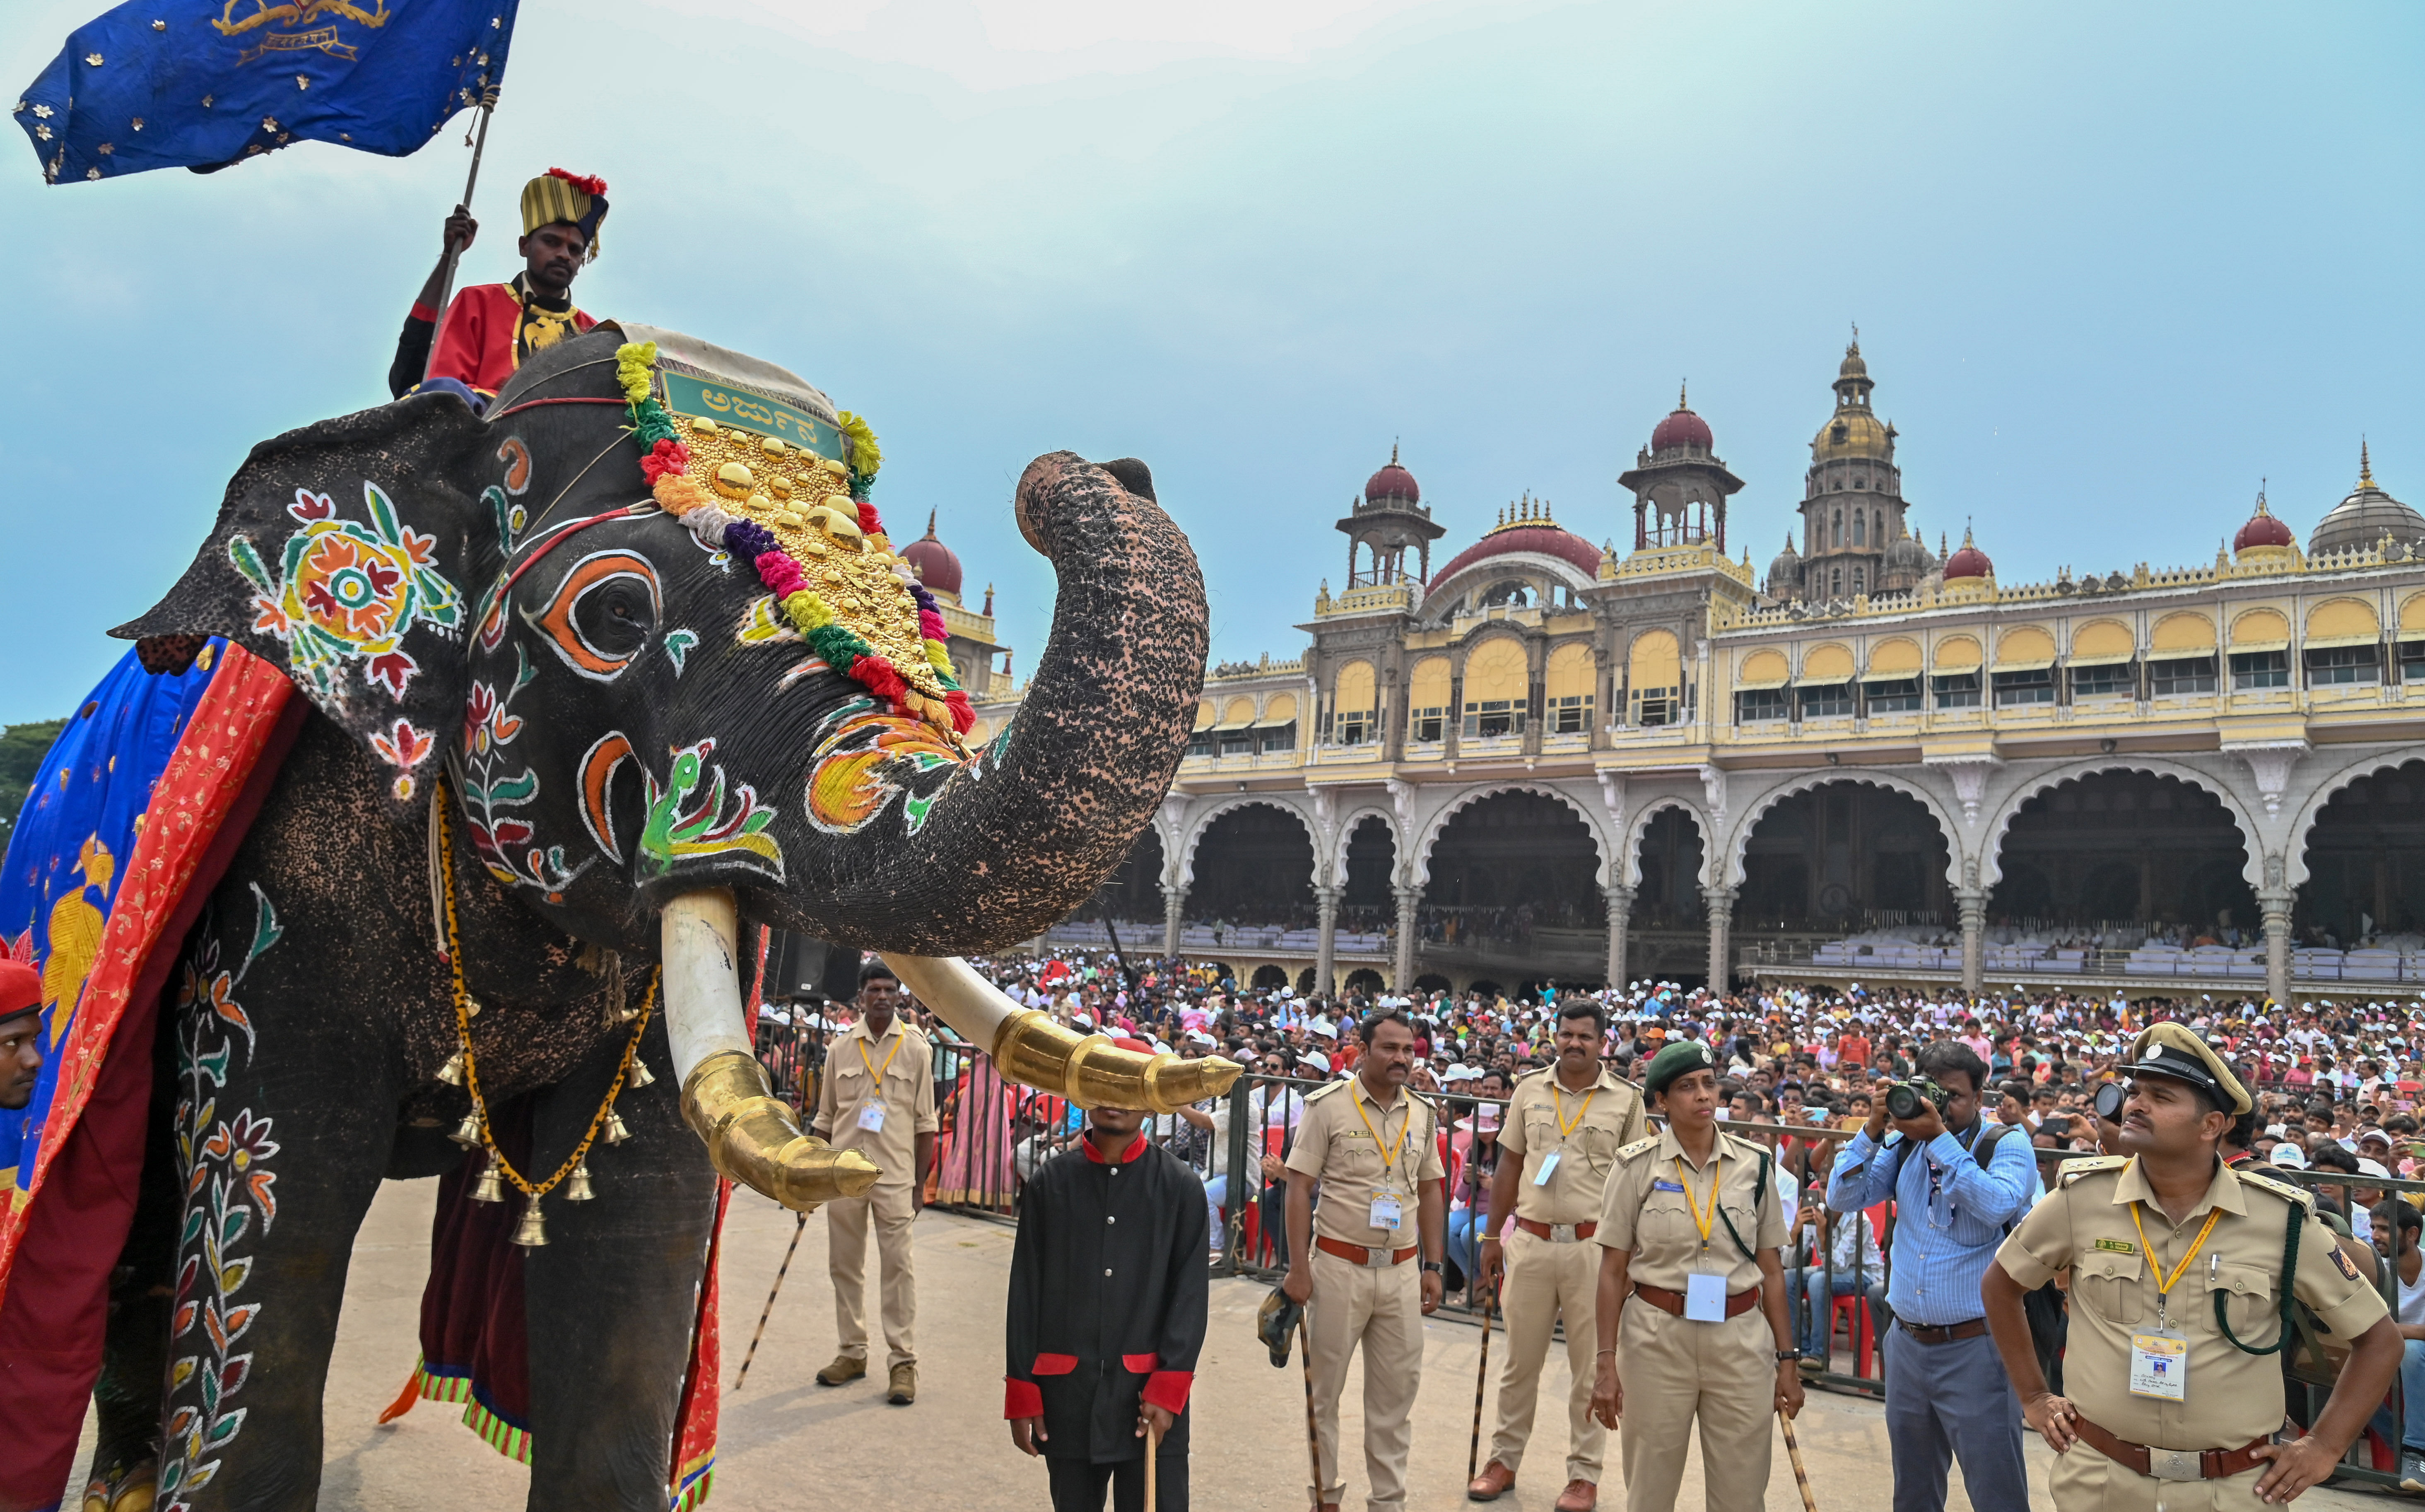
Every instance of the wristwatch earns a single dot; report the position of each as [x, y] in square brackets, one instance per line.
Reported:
[1784, 1355]
[1431, 1267]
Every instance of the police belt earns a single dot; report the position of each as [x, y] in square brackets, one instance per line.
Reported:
[1667, 1301]
[2170, 1464]
[1557, 1234]
[1358, 1255]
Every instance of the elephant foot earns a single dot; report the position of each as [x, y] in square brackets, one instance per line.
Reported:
[752, 1138]
[128, 1488]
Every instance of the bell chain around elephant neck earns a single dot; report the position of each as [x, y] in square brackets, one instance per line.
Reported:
[762, 484]
[574, 1164]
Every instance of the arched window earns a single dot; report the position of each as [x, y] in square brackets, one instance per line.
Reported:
[1860, 528]
[1836, 533]
[1878, 527]
[1835, 582]
[1857, 581]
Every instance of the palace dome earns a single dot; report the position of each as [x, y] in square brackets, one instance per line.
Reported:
[1969, 562]
[1392, 482]
[1682, 427]
[1852, 432]
[1905, 555]
[936, 564]
[2263, 530]
[1539, 533]
[2366, 516]
[1783, 568]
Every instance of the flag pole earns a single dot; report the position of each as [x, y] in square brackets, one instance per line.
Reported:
[446, 283]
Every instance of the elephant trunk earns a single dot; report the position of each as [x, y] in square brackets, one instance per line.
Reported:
[1030, 1049]
[1029, 828]
[725, 1099]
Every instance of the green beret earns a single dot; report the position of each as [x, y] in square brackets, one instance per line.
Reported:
[1682, 1058]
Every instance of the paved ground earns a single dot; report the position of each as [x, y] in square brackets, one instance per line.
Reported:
[790, 1445]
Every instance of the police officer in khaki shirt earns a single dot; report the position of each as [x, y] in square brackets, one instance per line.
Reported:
[1566, 1123]
[1374, 1146]
[1691, 1313]
[879, 1098]
[2158, 1391]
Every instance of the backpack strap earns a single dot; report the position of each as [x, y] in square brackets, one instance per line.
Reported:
[1758, 1195]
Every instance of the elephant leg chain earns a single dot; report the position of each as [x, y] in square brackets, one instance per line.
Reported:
[463, 1069]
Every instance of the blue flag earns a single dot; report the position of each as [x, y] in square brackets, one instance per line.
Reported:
[201, 84]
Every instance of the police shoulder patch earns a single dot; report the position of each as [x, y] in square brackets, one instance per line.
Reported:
[2344, 1265]
[2264, 1181]
[2091, 1166]
[1638, 1148]
[1324, 1091]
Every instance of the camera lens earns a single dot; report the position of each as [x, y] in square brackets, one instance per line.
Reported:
[2108, 1102]
[1901, 1102]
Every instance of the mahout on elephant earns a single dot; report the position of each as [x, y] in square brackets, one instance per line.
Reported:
[574, 735]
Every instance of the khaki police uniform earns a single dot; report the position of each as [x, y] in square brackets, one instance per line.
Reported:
[1360, 1150]
[896, 1073]
[1673, 1370]
[1575, 1138]
[2231, 1399]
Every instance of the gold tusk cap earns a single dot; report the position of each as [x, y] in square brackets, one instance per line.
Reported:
[1091, 1071]
[753, 1138]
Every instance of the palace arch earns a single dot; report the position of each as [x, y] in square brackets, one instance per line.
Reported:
[1841, 856]
[2365, 862]
[1132, 892]
[2122, 851]
[1252, 864]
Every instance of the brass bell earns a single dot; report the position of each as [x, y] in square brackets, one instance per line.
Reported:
[471, 1007]
[616, 1132]
[490, 1187]
[577, 1188]
[640, 1076]
[452, 1072]
[531, 1232]
[467, 1133]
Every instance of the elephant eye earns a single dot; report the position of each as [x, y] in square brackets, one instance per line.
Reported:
[615, 618]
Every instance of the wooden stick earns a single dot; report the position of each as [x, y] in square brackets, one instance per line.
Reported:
[797, 1229]
[1801, 1476]
[1481, 1379]
[1312, 1434]
[1153, 1437]
[454, 253]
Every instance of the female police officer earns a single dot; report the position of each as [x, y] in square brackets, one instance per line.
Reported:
[1690, 1226]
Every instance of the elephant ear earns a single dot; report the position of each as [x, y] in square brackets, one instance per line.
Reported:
[340, 555]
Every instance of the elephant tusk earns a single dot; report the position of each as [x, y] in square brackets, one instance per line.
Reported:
[1030, 1049]
[750, 1136]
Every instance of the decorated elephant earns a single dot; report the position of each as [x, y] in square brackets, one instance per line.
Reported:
[593, 684]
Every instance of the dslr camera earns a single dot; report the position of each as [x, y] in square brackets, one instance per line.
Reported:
[1904, 1098]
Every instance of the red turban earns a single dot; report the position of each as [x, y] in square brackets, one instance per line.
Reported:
[20, 988]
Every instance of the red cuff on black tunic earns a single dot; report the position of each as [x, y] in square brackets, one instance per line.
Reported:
[1020, 1399]
[1167, 1390]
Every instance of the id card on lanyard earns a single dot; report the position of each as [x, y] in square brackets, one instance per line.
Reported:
[1387, 1213]
[870, 1117]
[1705, 1291]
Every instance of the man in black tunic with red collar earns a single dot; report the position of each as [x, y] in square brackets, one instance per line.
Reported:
[1106, 1315]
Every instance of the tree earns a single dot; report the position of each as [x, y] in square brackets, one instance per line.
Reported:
[22, 750]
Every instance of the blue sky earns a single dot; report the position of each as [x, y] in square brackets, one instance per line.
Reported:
[2111, 265]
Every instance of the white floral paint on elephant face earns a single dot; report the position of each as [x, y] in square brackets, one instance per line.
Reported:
[347, 591]
[496, 788]
[224, 1159]
[603, 613]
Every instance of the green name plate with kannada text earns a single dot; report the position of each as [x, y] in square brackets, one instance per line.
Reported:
[726, 405]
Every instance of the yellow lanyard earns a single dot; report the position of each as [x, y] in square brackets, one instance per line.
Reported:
[870, 1066]
[1558, 1097]
[2165, 1283]
[1718, 1174]
[1390, 1160]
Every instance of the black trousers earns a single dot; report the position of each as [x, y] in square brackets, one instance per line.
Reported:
[1078, 1484]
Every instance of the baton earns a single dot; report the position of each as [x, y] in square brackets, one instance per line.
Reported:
[796, 1231]
[1801, 1476]
[1481, 1377]
[1313, 1435]
[1152, 1439]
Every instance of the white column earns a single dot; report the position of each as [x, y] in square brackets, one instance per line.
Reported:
[1972, 901]
[1174, 902]
[1721, 904]
[1327, 947]
[2275, 905]
[1620, 910]
[1410, 901]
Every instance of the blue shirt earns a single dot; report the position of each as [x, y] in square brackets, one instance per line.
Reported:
[1949, 1215]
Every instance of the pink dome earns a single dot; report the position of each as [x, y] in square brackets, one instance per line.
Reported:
[1969, 562]
[1682, 428]
[933, 561]
[1392, 482]
[2263, 530]
[1548, 539]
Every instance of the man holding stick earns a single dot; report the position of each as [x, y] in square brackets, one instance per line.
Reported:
[1106, 1314]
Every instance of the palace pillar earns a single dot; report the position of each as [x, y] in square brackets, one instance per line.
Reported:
[1620, 910]
[1174, 903]
[1721, 904]
[2274, 903]
[1972, 901]
[1410, 901]
[1326, 945]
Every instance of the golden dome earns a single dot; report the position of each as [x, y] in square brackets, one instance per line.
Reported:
[1851, 431]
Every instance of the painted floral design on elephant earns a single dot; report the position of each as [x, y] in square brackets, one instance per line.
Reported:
[866, 756]
[674, 833]
[224, 1163]
[347, 590]
[506, 841]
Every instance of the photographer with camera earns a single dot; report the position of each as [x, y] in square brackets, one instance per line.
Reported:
[1958, 1183]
